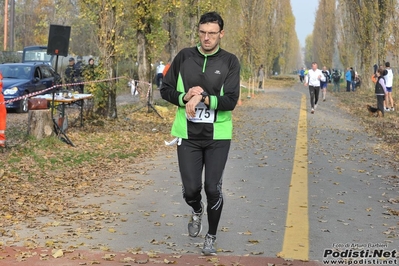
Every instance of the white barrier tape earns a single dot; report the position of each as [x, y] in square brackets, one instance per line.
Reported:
[66, 85]
[29, 95]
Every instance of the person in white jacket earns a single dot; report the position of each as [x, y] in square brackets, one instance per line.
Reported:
[160, 69]
[388, 83]
[312, 79]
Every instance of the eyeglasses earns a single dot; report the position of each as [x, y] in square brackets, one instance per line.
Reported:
[210, 34]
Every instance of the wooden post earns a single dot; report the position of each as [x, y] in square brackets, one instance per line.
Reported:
[249, 88]
[253, 87]
[40, 124]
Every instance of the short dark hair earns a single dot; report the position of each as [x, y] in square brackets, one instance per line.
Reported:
[387, 64]
[212, 17]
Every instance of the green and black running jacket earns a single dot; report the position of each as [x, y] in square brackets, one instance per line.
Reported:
[219, 75]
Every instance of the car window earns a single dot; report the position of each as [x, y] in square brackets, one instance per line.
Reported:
[6, 71]
[46, 72]
[23, 72]
[52, 70]
[16, 71]
[38, 73]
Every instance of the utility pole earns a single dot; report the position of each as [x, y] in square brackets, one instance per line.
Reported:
[12, 28]
[5, 25]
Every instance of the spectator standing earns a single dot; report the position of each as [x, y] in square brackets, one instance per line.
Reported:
[70, 71]
[3, 115]
[89, 74]
[388, 83]
[380, 89]
[133, 88]
[89, 70]
[160, 69]
[261, 76]
[204, 83]
[348, 78]
[165, 70]
[79, 66]
[358, 82]
[353, 75]
[323, 84]
[312, 79]
[336, 77]
[302, 75]
[375, 67]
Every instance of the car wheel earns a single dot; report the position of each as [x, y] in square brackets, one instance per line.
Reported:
[23, 105]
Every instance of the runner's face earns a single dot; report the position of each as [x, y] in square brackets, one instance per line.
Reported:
[210, 36]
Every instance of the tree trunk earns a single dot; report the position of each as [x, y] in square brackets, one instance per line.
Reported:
[172, 27]
[143, 65]
[40, 124]
[112, 108]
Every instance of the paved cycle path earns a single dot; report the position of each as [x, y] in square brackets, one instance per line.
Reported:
[296, 185]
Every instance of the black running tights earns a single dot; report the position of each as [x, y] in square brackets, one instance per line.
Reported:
[193, 156]
[314, 95]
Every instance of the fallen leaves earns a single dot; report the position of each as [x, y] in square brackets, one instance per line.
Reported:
[33, 173]
[40, 188]
[248, 233]
[109, 257]
[57, 253]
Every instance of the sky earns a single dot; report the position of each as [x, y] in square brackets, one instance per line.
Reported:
[304, 12]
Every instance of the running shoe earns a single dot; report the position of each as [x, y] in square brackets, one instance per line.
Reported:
[209, 245]
[194, 225]
[315, 106]
[392, 109]
[312, 111]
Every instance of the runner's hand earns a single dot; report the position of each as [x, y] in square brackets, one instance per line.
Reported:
[197, 90]
[191, 104]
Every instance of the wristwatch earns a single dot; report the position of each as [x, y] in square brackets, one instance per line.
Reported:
[204, 95]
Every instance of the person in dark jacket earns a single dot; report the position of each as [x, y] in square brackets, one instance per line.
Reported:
[90, 74]
[70, 71]
[79, 67]
[204, 83]
[336, 77]
[89, 70]
[353, 75]
[70, 76]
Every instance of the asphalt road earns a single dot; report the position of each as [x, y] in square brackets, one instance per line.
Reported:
[296, 185]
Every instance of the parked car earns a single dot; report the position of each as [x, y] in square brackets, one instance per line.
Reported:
[23, 78]
[37, 54]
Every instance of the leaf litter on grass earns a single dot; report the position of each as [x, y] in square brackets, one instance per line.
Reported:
[46, 177]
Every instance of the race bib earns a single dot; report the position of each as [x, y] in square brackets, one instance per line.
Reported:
[202, 114]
